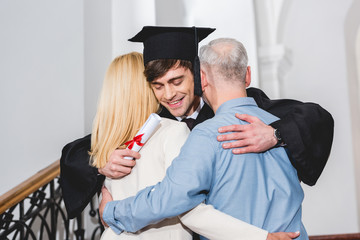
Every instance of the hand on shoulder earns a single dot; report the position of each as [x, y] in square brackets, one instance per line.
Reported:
[253, 137]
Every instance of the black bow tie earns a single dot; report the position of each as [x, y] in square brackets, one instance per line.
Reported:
[189, 122]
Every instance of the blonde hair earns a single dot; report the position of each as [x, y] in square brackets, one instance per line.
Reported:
[125, 102]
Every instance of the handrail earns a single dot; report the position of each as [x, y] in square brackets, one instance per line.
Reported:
[346, 236]
[24, 189]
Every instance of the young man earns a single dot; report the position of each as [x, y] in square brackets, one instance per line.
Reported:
[170, 57]
[260, 188]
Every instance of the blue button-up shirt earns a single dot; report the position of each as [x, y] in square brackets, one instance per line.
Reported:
[260, 188]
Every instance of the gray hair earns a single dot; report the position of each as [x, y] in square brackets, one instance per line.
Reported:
[228, 56]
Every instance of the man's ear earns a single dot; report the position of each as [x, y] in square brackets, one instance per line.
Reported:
[248, 76]
[204, 82]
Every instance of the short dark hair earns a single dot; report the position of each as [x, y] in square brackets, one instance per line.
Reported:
[158, 68]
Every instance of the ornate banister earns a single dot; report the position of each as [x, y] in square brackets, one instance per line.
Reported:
[34, 210]
[29, 186]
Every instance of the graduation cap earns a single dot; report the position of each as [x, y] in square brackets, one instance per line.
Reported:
[173, 43]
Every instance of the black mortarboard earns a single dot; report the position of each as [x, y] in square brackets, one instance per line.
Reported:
[173, 43]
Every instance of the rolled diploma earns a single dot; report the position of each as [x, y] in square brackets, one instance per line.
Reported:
[149, 127]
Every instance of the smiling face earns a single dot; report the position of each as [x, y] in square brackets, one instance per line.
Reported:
[175, 91]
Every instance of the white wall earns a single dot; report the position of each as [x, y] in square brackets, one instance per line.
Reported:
[314, 32]
[231, 18]
[128, 18]
[97, 54]
[352, 33]
[42, 81]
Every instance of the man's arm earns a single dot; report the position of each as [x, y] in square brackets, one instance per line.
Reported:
[185, 186]
[253, 137]
[205, 219]
[306, 128]
[213, 224]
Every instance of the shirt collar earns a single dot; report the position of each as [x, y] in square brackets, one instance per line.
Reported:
[195, 113]
[243, 101]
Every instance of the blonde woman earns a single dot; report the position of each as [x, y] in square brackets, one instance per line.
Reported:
[126, 101]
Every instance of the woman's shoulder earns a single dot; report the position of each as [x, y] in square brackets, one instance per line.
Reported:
[173, 126]
[170, 123]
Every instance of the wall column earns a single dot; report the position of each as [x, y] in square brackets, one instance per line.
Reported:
[270, 51]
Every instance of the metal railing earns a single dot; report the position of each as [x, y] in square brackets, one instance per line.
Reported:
[35, 210]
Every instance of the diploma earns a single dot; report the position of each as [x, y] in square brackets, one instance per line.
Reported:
[149, 127]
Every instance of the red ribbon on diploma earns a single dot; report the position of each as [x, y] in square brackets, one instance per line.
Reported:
[136, 139]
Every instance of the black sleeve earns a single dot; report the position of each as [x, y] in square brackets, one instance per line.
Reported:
[79, 181]
[306, 128]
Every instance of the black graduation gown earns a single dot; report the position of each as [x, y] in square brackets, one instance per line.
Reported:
[306, 128]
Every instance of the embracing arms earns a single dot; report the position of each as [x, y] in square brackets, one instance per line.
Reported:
[307, 129]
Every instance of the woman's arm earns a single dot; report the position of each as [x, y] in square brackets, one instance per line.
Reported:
[213, 224]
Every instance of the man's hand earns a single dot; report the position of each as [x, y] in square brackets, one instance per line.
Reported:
[118, 167]
[282, 235]
[106, 197]
[253, 137]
